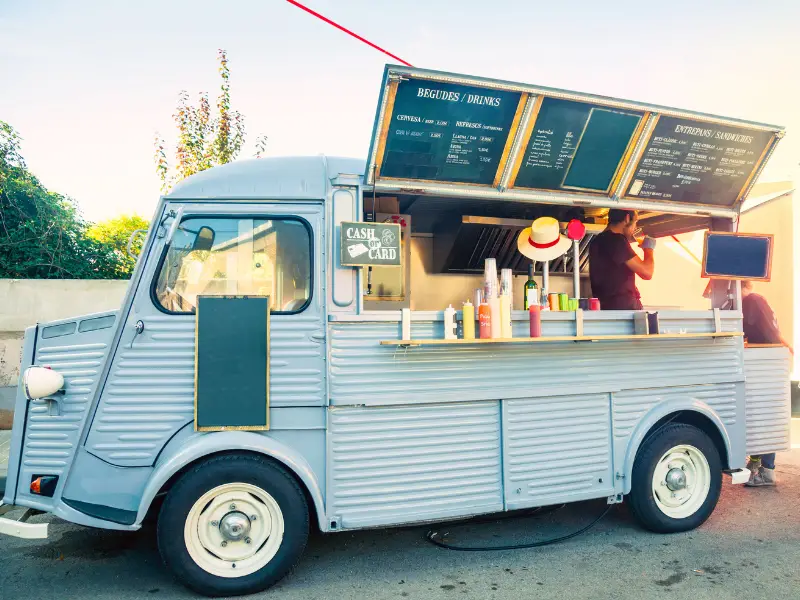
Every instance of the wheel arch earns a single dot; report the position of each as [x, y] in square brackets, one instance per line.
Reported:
[691, 412]
[201, 447]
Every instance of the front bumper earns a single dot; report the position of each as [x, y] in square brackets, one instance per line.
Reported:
[739, 476]
[21, 528]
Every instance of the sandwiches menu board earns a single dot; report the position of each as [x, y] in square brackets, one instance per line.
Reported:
[697, 162]
[447, 132]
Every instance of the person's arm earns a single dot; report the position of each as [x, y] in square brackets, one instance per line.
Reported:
[645, 267]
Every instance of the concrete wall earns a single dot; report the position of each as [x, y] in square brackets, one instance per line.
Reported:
[25, 302]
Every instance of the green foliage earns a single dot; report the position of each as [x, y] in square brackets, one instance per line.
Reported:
[203, 140]
[42, 234]
[116, 233]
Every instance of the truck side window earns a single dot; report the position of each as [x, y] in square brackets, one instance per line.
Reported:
[236, 256]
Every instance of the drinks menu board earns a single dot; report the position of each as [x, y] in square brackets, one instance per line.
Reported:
[575, 145]
[447, 132]
[697, 162]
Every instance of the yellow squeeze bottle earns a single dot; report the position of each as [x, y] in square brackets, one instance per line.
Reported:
[468, 320]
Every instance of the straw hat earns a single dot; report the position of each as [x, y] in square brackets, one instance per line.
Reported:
[542, 240]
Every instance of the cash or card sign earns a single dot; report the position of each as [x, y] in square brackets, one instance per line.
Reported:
[370, 244]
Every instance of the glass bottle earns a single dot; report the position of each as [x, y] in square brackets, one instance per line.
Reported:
[531, 289]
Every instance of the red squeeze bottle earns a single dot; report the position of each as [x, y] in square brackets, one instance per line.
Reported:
[484, 321]
[535, 313]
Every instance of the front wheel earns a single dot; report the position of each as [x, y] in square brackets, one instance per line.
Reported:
[234, 524]
[677, 479]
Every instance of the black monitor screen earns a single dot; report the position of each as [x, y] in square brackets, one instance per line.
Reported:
[737, 256]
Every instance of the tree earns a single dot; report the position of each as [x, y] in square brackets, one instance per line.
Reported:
[42, 234]
[116, 233]
[204, 141]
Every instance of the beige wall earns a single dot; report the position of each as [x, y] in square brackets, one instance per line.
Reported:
[25, 302]
[777, 217]
[677, 282]
[677, 278]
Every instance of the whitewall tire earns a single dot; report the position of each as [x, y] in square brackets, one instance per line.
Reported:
[234, 524]
[677, 479]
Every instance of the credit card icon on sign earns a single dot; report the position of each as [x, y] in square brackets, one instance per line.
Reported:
[357, 250]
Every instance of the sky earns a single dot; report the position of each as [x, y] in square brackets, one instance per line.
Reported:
[88, 83]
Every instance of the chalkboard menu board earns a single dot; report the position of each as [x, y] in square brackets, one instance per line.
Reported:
[737, 256]
[575, 145]
[447, 132]
[697, 162]
[232, 363]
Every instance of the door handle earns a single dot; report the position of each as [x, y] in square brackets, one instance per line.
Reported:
[318, 337]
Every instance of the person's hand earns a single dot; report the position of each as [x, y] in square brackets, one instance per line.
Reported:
[648, 243]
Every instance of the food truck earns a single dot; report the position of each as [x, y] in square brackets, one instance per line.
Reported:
[284, 357]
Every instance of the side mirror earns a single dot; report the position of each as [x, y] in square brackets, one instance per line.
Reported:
[40, 382]
[204, 239]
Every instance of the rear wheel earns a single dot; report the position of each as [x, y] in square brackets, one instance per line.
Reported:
[677, 479]
[235, 524]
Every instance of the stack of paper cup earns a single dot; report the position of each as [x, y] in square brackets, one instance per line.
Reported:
[493, 296]
[490, 277]
[507, 283]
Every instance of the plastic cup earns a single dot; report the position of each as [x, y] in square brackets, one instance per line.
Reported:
[552, 299]
[563, 301]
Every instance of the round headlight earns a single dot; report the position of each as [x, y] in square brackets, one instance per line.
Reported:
[40, 382]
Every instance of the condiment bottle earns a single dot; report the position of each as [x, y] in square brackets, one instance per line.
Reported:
[484, 320]
[535, 314]
[468, 320]
[494, 310]
[450, 323]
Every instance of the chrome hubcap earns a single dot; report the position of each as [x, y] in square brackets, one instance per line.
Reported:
[676, 480]
[234, 526]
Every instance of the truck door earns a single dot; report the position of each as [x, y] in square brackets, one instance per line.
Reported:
[269, 249]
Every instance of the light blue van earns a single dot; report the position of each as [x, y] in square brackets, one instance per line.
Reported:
[368, 429]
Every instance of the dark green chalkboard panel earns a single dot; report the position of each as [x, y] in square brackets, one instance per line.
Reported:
[447, 132]
[600, 149]
[697, 162]
[232, 363]
[737, 256]
[575, 145]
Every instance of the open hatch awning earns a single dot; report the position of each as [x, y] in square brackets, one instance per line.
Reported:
[454, 135]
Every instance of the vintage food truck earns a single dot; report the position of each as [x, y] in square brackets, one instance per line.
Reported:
[257, 382]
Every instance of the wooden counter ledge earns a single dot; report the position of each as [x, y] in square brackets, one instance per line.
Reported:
[583, 338]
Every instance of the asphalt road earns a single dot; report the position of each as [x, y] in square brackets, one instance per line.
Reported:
[749, 549]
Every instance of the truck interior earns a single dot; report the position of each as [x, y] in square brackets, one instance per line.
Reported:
[446, 241]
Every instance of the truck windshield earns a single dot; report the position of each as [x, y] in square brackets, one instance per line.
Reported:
[236, 256]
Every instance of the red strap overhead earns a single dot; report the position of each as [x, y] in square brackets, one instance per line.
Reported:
[347, 31]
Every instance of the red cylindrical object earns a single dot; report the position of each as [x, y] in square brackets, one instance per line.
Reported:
[594, 304]
[535, 313]
[484, 322]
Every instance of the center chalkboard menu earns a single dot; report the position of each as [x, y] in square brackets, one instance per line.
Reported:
[575, 145]
[447, 132]
[697, 162]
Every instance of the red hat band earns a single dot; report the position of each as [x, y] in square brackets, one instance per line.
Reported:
[542, 246]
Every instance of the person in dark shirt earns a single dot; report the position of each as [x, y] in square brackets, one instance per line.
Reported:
[760, 327]
[613, 264]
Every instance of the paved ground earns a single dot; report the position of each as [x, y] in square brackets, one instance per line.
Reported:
[749, 549]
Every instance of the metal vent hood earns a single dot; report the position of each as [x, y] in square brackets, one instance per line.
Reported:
[462, 244]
